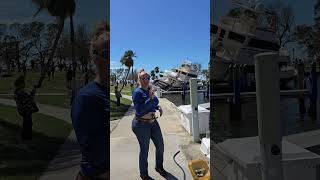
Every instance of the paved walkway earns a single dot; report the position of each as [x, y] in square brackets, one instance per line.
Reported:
[65, 165]
[124, 147]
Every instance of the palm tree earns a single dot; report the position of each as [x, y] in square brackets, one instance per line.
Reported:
[127, 60]
[152, 74]
[156, 70]
[205, 73]
[161, 74]
[61, 10]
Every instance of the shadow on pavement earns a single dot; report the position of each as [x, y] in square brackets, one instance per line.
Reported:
[32, 157]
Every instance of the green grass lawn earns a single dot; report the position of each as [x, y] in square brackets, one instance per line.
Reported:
[18, 162]
[53, 100]
[58, 85]
[63, 101]
[117, 112]
[55, 85]
[126, 89]
[60, 101]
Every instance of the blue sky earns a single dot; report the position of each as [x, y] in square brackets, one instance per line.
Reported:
[161, 32]
[303, 9]
[87, 12]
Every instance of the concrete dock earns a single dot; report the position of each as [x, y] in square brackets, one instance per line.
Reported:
[220, 167]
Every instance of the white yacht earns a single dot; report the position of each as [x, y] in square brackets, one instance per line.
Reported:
[176, 77]
[237, 39]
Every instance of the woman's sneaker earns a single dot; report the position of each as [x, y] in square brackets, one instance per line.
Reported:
[162, 172]
[146, 177]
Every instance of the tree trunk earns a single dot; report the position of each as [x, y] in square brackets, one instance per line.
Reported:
[73, 54]
[132, 74]
[125, 80]
[18, 57]
[7, 60]
[43, 73]
[73, 59]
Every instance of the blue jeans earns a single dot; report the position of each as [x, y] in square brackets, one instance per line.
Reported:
[144, 132]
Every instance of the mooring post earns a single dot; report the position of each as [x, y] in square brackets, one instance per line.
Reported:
[300, 84]
[230, 100]
[158, 91]
[231, 76]
[236, 92]
[241, 77]
[208, 89]
[314, 90]
[204, 92]
[184, 88]
[194, 106]
[268, 108]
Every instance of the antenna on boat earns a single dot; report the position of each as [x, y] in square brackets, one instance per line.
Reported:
[258, 7]
[252, 5]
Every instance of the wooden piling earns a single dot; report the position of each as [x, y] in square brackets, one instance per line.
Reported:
[236, 91]
[300, 80]
[245, 78]
[230, 77]
[183, 94]
[314, 90]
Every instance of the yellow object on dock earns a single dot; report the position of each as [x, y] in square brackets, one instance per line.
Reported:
[199, 169]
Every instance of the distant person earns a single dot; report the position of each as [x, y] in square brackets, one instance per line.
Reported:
[145, 125]
[49, 73]
[65, 66]
[131, 85]
[75, 66]
[42, 66]
[32, 63]
[53, 70]
[86, 77]
[24, 69]
[91, 111]
[69, 77]
[60, 66]
[25, 106]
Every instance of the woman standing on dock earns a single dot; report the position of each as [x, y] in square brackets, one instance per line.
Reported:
[145, 125]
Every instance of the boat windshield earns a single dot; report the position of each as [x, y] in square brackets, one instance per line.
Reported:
[236, 37]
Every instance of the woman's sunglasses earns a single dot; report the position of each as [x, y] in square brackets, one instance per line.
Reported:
[147, 78]
[105, 54]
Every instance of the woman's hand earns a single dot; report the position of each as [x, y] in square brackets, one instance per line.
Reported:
[151, 93]
[160, 110]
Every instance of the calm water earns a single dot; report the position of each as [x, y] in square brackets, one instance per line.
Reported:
[293, 122]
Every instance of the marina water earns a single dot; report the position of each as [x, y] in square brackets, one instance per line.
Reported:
[293, 122]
